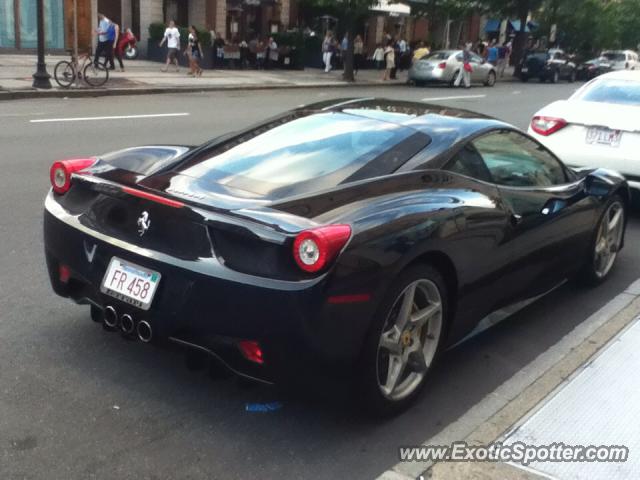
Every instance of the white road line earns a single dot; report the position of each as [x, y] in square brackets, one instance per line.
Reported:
[458, 97]
[115, 117]
[511, 388]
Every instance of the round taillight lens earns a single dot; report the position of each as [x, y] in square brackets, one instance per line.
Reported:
[308, 252]
[60, 178]
[60, 173]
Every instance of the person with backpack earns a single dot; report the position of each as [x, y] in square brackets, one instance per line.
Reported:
[104, 45]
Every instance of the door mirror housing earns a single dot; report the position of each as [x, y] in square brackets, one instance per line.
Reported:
[598, 185]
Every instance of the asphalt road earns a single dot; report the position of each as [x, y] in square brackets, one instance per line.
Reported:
[76, 402]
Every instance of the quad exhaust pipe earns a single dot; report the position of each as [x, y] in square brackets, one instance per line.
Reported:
[145, 333]
[127, 324]
[110, 318]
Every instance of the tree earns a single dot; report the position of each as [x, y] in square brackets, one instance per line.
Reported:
[349, 12]
[520, 9]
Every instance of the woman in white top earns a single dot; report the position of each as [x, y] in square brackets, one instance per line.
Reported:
[390, 60]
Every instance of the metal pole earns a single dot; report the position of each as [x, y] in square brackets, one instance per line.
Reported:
[41, 77]
[75, 41]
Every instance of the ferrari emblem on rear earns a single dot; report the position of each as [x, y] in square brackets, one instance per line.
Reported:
[143, 223]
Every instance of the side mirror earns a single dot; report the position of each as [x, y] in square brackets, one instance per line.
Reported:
[597, 186]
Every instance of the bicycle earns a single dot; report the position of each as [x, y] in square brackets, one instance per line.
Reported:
[66, 72]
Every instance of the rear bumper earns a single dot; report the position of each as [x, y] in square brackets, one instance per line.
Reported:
[202, 305]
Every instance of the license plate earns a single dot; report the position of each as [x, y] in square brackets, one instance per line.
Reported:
[130, 283]
[525, 69]
[603, 136]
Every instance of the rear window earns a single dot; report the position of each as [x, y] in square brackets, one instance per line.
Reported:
[307, 154]
[539, 56]
[437, 56]
[614, 57]
[625, 92]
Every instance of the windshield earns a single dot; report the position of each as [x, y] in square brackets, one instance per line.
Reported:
[625, 92]
[307, 154]
[614, 57]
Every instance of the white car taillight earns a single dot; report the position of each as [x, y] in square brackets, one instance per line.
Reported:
[547, 125]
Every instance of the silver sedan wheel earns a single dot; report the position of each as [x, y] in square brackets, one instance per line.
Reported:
[409, 339]
[608, 239]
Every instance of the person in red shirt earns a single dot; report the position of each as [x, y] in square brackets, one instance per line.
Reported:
[123, 41]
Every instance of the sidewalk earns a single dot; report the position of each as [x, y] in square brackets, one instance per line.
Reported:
[143, 76]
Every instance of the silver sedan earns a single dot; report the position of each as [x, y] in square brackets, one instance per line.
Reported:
[444, 65]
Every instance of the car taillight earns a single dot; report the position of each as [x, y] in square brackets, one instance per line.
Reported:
[60, 173]
[314, 249]
[251, 350]
[547, 125]
[442, 65]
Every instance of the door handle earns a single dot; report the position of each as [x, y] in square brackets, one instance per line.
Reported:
[516, 219]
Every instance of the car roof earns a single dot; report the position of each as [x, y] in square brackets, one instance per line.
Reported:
[424, 117]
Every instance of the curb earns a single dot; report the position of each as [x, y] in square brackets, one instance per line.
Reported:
[621, 312]
[97, 92]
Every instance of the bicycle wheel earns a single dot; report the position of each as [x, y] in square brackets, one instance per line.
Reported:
[64, 73]
[95, 75]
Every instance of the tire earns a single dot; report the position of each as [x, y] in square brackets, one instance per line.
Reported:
[96, 76]
[491, 79]
[594, 272]
[131, 53]
[524, 78]
[64, 74]
[415, 346]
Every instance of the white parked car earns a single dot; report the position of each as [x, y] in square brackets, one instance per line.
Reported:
[622, 59]
[599, 126]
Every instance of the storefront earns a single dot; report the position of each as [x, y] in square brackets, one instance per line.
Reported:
[18, 24]
[251, 19]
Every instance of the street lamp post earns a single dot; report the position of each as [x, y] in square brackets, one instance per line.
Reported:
[41, 77]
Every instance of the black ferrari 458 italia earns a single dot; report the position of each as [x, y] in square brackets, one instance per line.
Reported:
[353, 239]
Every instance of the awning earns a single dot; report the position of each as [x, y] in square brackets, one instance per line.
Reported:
[516, 26]
[393, 9]
[493, 25]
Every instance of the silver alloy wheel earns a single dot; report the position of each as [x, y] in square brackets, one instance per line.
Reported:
[409, 339]
[608, 239]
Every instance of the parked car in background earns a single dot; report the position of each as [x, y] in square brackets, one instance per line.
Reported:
[622, 59]
[598, 126]
[593, 68]
[552, 65]
[444, 65]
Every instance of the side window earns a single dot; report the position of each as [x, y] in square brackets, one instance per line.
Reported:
[476, 58]
[517, 161]
[469, 162]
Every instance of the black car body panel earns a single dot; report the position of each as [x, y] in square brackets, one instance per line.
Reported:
[225, 255]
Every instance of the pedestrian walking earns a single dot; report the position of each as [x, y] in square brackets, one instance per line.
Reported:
[122, 42]
[172, 37]
[113, 33]
[389, 59]
[104, 45]
[358, 54]
[194, 52]
[378, 57]
[502, 59]
[271, 55]
[465, 72]
[327, 51]
[218, 51]
[493, 53]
